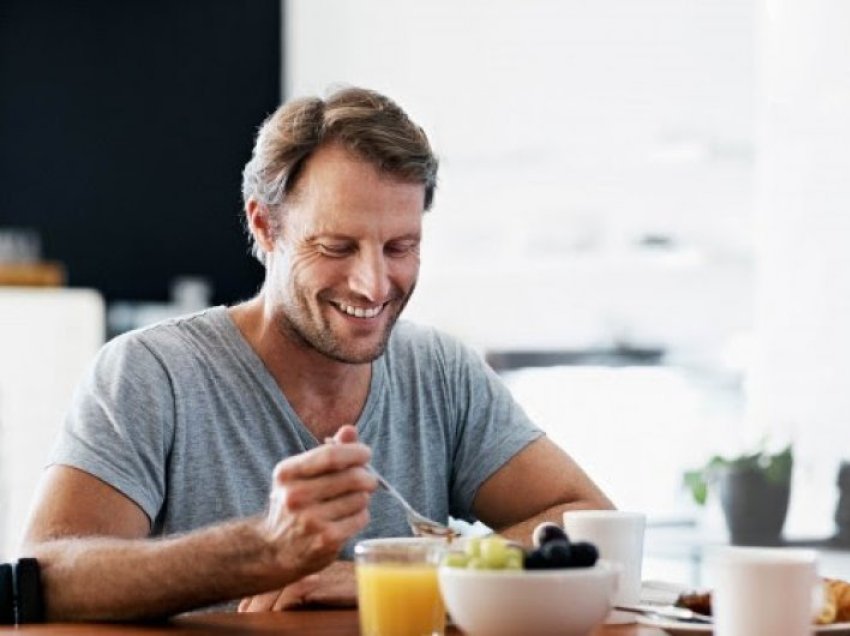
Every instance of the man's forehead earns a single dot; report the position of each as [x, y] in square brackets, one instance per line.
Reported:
[339, 194]
[332, 165]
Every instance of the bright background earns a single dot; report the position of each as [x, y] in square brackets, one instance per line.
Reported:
[653, 192]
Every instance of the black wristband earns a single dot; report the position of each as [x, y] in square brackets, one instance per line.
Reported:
[7, 595]
[28, 592]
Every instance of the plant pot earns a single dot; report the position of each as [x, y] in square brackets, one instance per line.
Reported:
[754, 506]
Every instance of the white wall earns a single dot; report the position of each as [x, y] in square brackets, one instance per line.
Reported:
[47, 338]
[799, 380]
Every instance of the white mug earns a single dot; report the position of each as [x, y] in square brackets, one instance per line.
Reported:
[762, 590]
[619, 537]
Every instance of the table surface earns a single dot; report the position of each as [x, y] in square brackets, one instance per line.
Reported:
[318, 622]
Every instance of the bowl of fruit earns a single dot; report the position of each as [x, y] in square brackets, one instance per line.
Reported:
[494, 587]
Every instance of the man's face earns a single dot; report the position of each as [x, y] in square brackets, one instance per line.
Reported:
[347, 257]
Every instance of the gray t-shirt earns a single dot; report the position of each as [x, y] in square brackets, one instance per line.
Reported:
[185, 420]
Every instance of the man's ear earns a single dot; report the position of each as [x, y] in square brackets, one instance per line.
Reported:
[261, 224]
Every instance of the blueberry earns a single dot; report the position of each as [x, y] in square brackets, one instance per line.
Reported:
[534, 560]
[558, 554]
[546, 532]
[584, 555]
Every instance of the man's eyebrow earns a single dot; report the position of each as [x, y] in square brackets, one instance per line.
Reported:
[319, 236]
[412, 236]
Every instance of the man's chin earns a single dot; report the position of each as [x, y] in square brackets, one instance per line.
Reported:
[357, 355]
[359, 348]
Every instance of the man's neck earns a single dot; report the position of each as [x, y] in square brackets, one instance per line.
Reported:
[325, 393]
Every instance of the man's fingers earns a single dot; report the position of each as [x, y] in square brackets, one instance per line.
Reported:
[303, 493]
[327, 458]
[259, 602]
[342, 507]
[296, 593]
[349, 526]
[290, 596]
[322, 513]
[346, 434]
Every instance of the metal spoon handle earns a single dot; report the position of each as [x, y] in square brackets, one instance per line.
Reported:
[390, 488]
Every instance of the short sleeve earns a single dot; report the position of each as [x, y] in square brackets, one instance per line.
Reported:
[120, 423]
[491, 428]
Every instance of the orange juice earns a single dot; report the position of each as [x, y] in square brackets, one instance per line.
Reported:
[399, 599]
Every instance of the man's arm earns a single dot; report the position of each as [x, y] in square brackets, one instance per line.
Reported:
[537, 484]
[97, 564]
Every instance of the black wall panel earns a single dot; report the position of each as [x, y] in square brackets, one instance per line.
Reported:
[124, 126]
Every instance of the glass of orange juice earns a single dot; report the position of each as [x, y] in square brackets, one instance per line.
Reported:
[397, 591]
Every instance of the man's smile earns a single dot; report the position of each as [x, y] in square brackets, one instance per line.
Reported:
[360, 312]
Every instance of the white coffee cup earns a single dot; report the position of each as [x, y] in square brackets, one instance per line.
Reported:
[619, 537]
[762, 590]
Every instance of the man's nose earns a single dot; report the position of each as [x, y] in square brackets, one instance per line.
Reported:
[369, 277]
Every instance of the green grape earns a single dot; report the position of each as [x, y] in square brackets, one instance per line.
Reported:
[494, 552]
[473, 547]
[515, 558]
[476, 563]
[456, 560]
[487, 553]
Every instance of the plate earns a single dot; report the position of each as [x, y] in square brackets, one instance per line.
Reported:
[678, 628]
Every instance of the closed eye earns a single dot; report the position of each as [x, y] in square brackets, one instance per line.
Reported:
[335, 250]
[402, 248]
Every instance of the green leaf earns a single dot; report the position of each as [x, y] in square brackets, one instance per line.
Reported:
[695, 481]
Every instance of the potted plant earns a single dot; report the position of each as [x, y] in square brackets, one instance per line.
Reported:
[754, 491]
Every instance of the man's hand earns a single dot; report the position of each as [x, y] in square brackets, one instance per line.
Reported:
[319, 499]
[334, 586]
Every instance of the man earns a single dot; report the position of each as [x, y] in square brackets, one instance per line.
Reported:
[179, 426]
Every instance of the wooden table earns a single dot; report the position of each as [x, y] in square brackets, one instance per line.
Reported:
[295, 623]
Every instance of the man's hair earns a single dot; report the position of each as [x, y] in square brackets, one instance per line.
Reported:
[369, 125]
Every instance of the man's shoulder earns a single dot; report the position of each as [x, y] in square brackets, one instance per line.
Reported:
[174, 336]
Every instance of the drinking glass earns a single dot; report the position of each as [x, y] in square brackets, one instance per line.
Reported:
[397, 589]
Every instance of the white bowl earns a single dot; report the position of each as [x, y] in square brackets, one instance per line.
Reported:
[568, 602]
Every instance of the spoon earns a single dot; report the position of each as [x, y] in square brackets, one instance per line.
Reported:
[421, 525]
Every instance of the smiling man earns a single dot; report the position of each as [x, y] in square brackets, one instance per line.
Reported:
[180, 427]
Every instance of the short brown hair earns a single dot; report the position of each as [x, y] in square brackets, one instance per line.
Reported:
[364, 122]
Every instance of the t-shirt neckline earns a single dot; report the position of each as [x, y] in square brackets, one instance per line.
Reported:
[258, 367]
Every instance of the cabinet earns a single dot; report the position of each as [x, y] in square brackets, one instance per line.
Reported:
[47, 339]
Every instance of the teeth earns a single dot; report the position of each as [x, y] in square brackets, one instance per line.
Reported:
[360, 312]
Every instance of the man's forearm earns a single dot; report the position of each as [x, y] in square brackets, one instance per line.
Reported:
[521, 532]
[117, 579]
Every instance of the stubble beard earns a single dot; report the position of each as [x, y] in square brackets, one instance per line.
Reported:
[301, 326]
